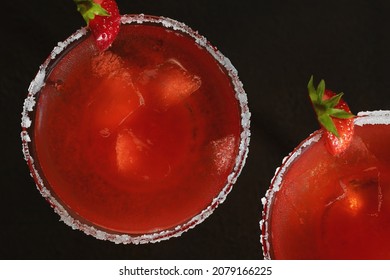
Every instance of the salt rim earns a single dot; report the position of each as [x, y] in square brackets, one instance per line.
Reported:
[26, 122]
[363, 118]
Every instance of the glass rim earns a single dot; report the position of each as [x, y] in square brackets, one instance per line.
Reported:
[363, 118]
[97, 231]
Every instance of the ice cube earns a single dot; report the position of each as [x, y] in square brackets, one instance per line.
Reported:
[168, 84]
[128, 150]
[223, 152]
[357, 152]
[138, 158]
[115, 99]
[362, 191]
[361, 180]
[106, 64]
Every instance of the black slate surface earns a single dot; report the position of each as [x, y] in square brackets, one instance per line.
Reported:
[275, 45]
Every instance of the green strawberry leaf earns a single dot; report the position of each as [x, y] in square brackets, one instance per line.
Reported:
[340, 114]
[327, 122]
[312, 90]
[89, 9]
[333, 101]
[320, 90]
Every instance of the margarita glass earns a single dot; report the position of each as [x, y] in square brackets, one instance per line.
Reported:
[141, 142]
[321, 206]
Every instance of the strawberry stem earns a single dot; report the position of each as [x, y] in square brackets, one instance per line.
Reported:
[89, 9]
[325, 108]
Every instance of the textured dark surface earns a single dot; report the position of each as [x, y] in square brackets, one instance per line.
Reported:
[275, 45]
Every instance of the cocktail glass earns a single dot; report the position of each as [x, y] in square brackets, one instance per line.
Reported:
[321, 206]
[139, 143]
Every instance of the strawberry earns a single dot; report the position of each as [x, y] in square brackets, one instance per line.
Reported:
[334, 116]
[103, 18]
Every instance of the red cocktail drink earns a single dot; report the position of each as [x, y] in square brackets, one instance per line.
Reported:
[321, 206]
[140, 142]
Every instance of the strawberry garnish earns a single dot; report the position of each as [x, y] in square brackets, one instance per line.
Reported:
[103, 18]
[334, 116]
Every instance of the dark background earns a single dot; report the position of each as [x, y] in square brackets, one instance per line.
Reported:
[275, 45]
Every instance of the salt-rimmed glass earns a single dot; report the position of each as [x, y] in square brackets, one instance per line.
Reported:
[363, 120]
[77, 222]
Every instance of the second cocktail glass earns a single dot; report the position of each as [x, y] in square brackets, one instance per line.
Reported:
[322, 206]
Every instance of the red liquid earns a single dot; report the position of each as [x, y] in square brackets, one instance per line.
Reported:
[140, 138]
[335, 207]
